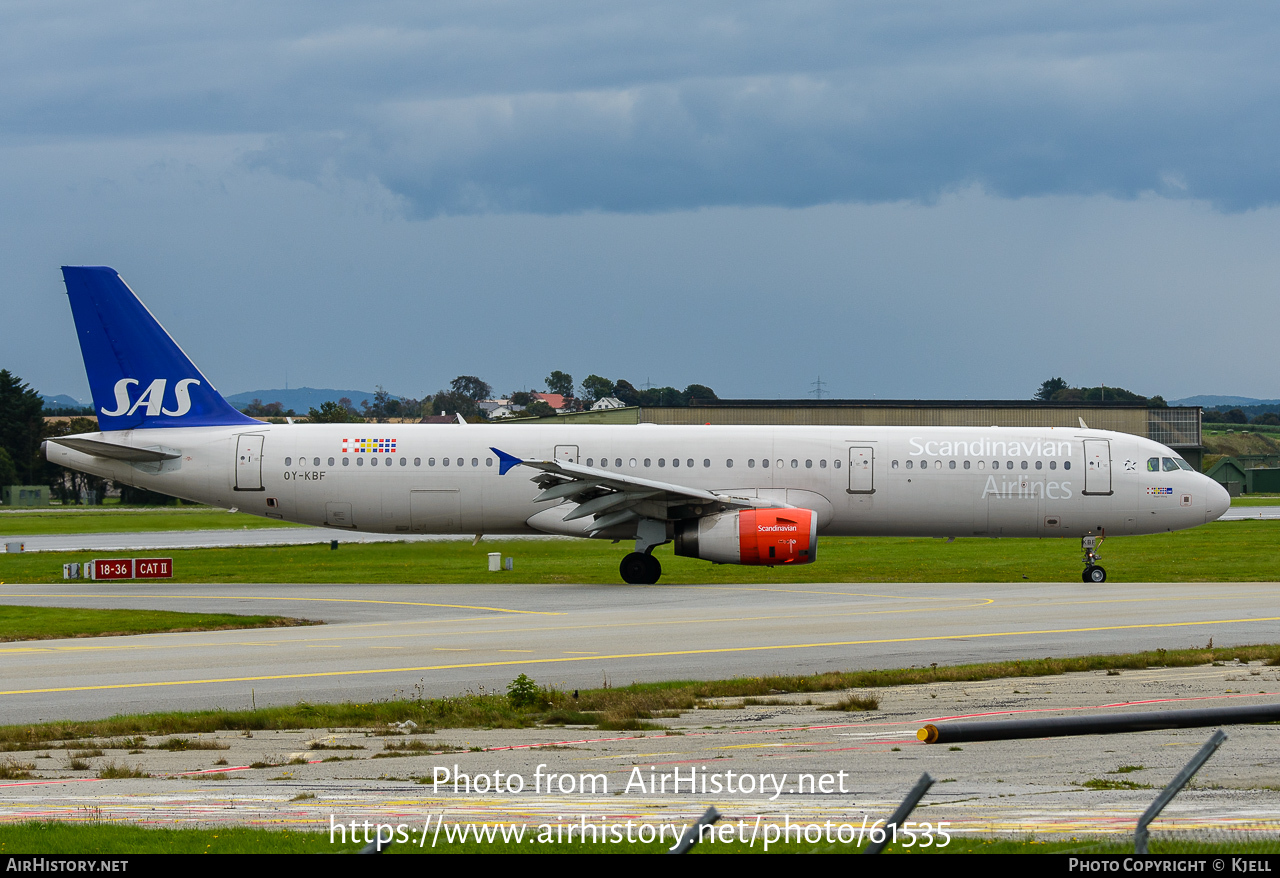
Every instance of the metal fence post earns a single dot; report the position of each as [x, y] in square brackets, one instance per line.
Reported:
[1175, 786]
[904, 811]
[693, 834]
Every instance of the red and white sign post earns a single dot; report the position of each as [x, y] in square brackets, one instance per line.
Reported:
[129, 568]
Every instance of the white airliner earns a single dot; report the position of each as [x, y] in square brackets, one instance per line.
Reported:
[729, 495]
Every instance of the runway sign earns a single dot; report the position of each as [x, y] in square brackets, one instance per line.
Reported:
[130, 568]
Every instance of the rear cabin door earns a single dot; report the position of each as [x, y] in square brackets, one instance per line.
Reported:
[861, 470]
[249, 462]
[1097, 466]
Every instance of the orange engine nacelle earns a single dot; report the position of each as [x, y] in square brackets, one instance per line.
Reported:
[751, 536]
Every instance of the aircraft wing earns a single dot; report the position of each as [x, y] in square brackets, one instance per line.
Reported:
[614, 497]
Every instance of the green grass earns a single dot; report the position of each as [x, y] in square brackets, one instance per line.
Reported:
[46, 623]
[93, 836]
[620, 707]
[1235, 550]
[1256, 500]
[98, 519]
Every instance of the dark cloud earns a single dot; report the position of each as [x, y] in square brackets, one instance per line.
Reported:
[568, 107]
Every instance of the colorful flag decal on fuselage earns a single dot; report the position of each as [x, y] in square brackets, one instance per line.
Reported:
[369, 446]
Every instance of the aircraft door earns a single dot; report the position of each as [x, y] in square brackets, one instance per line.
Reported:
[861, 470]
[249, 462]
[567, 453]
[1097, 466]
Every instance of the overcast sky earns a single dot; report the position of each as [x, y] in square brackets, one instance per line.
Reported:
[908, 199]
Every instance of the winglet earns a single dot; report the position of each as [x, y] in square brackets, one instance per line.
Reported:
[505, 461]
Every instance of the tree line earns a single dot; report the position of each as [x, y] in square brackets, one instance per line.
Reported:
[465, 393]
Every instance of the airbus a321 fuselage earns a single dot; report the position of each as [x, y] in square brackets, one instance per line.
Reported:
[726, 494]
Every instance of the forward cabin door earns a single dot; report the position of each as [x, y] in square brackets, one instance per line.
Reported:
[861, 470]
[249, 462]
[1097, 466]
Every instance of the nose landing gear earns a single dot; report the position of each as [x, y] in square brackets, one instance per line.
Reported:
[1092, 572]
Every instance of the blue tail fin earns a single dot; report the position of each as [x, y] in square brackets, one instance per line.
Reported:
[138, 374]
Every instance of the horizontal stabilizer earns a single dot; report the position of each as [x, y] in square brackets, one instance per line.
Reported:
[113, 451]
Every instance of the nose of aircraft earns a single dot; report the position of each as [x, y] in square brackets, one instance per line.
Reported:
[1219, 501]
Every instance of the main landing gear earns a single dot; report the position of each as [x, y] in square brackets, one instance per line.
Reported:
[1092, 572]
[640, 567]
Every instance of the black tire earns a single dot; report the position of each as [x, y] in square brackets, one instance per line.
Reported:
[1084, 575]
[1096, 574]
[653, 570]
[635, 568]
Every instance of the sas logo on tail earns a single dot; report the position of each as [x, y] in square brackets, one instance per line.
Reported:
[152, 398]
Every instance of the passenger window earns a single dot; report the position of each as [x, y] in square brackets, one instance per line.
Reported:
[417, 461]
[404, 461]
[431, 461]
[836, 462]
[459, 461]
[647, 461]
[288, 461]
[689, 462]
[633, 462]
[924, 464]
[1008, 464]
[589, 462]
[617, 462]
[317, 462]
[728, 464]
[951, 465]
[751, 463]
[475, 461]
[675, 461]
[345, 461]
[795, 464]
[1169, 465]
[808, 464]
[822, 464]
[1066, 464]
[893, 465]
[359, 461]
[662, 461]
[909, 464]
[982, 464]
[1024, 464]
[373, 461]
[1039, 464]
[706, 463]
[966, 464]
[1053, 464]
[445, 461]
[937, 464]
[331, 461]
[1153, 464]
[488, 461]
[764, 463]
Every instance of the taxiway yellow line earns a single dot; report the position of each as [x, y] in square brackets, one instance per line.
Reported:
[671, 653]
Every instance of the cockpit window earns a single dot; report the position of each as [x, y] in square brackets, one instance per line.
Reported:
[1169, 464]
[1153, 464]
[1182, 464]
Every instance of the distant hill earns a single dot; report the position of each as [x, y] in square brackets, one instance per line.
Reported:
[300, 399]
[1218, 402]
[62, 401]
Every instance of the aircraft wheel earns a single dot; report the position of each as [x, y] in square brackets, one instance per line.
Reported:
[653, 570]
[1094, 574]
[635, 568]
